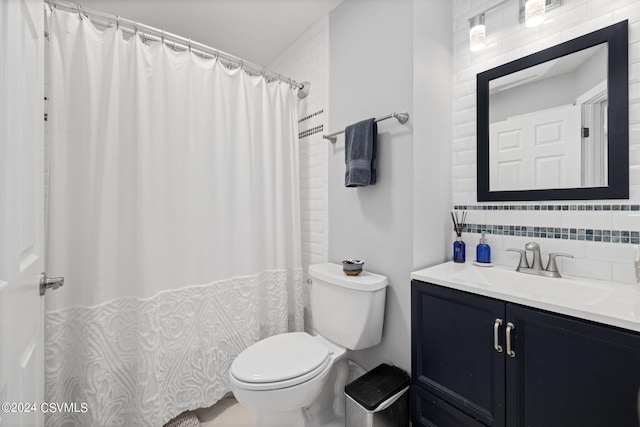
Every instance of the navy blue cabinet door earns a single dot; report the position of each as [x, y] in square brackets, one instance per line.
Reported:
[570, 372]
[429, 411]
[453, 357]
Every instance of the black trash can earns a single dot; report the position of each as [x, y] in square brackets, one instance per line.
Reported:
[379, 398]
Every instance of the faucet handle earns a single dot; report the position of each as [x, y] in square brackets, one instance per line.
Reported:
[532, 246]
[551, 265]
[524, 263]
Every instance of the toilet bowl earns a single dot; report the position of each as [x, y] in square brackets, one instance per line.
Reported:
[284, 372]
[281, 378]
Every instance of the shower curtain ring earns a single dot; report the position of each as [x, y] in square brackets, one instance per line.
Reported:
[117, 22]
[189, 45]
[79, 13]
[162, 38]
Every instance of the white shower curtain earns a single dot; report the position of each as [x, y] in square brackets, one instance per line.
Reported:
[173, 213]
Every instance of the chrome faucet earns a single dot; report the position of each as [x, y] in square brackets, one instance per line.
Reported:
[536, 267]
[535, 248]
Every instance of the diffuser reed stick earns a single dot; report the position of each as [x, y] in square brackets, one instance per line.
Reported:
[458, 222]
[459, 248]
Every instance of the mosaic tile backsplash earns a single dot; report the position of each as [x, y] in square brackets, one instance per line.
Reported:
[570, 233]
[588, 234]
[601, 237]
[550, 207]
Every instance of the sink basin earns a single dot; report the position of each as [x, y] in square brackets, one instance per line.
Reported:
[562, 289]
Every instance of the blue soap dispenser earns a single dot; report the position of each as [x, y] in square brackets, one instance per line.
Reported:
[483, 251]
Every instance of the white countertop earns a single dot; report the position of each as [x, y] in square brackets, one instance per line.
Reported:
[600, 301]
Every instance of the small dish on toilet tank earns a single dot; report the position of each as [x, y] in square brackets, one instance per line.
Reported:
[352, 267]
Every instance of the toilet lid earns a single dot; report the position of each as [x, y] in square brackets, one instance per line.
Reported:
[279, 358]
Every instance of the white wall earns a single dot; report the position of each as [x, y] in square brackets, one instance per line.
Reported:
[432, 105]
[507, 40]
[307, 59]
[550, 92]
[372, 56]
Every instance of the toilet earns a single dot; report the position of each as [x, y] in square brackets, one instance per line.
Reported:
[297, 379]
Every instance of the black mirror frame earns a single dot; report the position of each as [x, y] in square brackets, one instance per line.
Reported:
[618, 145]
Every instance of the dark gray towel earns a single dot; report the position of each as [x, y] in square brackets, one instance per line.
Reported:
[360, 153]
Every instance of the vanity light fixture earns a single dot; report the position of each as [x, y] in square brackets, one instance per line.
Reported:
[532, 13]
[476, 33]
[535, 8]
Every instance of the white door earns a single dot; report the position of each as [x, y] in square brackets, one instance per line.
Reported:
[21, 212]
[594, 105]
[536, 150]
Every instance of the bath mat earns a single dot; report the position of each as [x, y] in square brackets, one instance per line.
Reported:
[185, 419]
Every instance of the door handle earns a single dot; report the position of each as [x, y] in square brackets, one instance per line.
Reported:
[496, 325]
[49, 283]
[510, 327]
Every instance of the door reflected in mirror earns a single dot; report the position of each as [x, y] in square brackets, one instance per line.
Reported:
[557, 138]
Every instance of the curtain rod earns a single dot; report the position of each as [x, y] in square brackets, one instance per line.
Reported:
[402, 118]
[176, 42]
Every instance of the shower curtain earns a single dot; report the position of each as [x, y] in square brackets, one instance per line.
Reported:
[173, 213]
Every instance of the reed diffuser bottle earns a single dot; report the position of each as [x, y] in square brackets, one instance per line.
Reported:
[459, 248]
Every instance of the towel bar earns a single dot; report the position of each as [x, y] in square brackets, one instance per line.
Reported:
[402, 118]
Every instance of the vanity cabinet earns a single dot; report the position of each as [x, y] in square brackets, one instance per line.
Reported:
[479, 361]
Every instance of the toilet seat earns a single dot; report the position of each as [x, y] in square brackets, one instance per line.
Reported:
[280, 361]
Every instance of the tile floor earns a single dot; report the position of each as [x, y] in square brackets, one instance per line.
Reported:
[226, 413]
[229, 413]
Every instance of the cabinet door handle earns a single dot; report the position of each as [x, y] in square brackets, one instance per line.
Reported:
[496, 325]
[510, 327]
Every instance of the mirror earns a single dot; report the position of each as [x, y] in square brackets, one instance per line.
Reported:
[560, 130]
[554, 125]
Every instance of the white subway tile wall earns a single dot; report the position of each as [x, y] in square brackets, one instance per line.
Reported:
[307, 59]
[594, 229]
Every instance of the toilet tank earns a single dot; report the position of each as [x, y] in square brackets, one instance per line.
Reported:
[347, 310]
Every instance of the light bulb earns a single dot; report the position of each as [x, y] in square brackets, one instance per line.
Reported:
[534, 13]
[477, 32]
